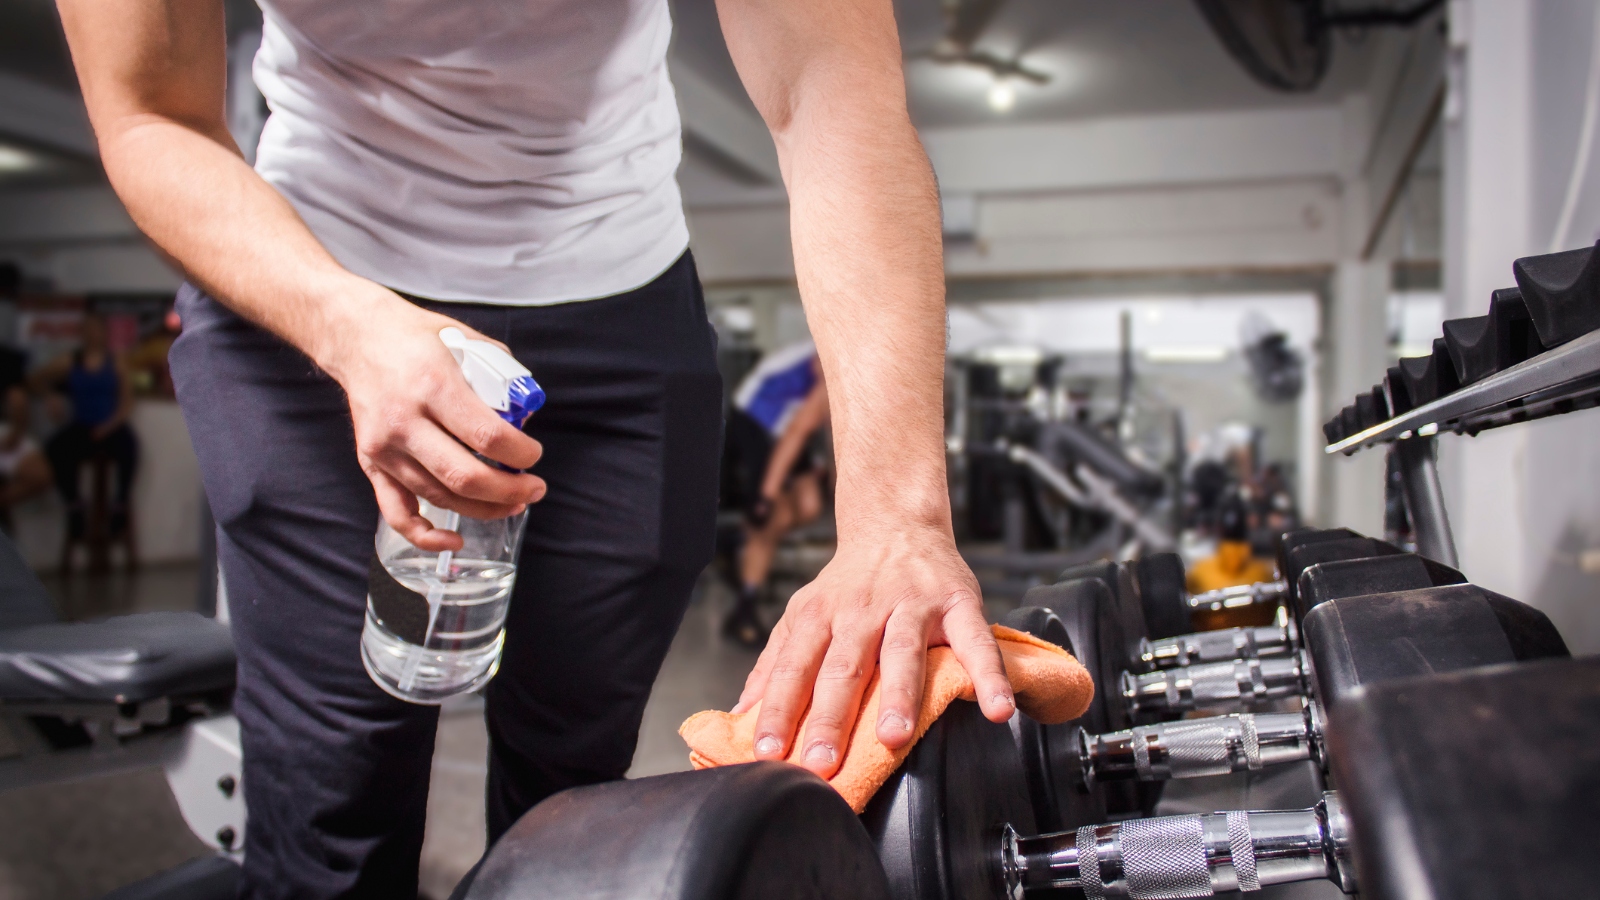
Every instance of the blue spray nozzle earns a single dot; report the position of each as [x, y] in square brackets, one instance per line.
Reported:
[523, 397]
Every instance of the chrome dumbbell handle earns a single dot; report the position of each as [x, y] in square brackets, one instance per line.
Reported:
[1196, 747]
[1237, 683]
[1261, 642]
[1241, 595]
[1184, 856]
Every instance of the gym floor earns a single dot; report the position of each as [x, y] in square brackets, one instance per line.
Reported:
[79, 841]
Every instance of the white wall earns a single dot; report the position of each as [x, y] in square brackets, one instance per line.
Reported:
[1524, 501]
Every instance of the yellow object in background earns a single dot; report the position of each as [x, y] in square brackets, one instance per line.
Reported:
[1232, 565]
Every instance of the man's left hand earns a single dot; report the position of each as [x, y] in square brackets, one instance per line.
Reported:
[881, 602]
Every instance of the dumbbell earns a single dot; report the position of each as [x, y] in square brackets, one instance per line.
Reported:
[1354, 639]
[942, 834]
[1319, 570]
[1092, 623]
[1279, 639]
[1184, 856]
[1451, 786]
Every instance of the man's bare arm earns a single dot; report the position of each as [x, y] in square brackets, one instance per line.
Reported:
[154, 74]
[864, 212]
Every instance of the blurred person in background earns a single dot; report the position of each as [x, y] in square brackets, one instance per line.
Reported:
[101, 392]
[778, 410]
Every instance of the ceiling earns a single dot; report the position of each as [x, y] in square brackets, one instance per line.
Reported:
[1104, 57]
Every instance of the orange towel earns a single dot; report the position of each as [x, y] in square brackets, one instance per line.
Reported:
[1050, 686]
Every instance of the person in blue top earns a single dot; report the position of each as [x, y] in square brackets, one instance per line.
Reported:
[102, 398]
[777, 410]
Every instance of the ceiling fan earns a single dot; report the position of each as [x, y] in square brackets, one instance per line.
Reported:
[965, 22]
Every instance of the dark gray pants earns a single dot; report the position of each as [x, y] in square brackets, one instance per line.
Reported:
[336, 771]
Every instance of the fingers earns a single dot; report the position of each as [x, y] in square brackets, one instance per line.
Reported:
[902, 667]
[462, 413]
[462, 474]
[975, 648]
[841, 680]
[399, 509]
[419, 481]
[755, 684]
[789, 682]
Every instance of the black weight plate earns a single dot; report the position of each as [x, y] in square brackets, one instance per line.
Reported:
[761, 830]
[1358, 641]
[1375, 575]
[1163, 595]
[1306, 556]
[1050, 752]
[1302, 536]
[1088, 613]
[937, 822]
[1479, 785]
[1122, 584]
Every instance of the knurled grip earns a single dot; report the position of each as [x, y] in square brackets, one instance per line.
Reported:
[1242, 851]
[1089, 864]
[1165, 858]
[1250, 741]
[1199, 748]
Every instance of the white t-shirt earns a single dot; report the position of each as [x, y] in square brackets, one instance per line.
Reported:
[501, 151]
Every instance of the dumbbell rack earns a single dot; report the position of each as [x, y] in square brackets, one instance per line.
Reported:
[1536, 354]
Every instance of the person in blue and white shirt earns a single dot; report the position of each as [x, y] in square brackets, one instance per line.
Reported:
[779, 407]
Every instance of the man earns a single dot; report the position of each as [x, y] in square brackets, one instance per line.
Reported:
[488, 164]
[779, 406]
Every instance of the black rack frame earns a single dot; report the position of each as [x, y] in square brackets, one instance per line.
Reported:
[1561, 380]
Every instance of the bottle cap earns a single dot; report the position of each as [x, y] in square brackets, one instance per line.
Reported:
[495, 376]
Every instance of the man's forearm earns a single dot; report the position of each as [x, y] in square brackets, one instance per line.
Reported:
[232, 232]
[869, 263]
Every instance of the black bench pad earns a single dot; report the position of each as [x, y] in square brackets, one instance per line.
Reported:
[127, 659]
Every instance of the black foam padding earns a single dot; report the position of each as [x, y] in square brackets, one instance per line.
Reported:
[936, 821]
[1394, 388]
[1427, 378]
[1562, 292]
[1355, 641]
[763, 829]
[1050, 752]
[1304, 557]
[1349, 420]
[1477, 785]
[23, 599]
[1468, 341]
[1483, 345]
[206, 878]
[127, 659]
[1366, 412]
[1380, 403]
[1331, 431]
[1375, 575]
[1163, 594]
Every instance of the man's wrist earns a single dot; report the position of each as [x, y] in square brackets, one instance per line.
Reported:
[904, 506]
[344, 309]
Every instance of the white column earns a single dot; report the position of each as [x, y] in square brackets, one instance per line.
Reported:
[1524, 500]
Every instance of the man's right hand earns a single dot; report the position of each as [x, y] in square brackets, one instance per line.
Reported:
[413, 412]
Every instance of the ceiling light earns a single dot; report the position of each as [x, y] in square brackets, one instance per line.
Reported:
[15, 159]
[1186, 354]
[1002, 96]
